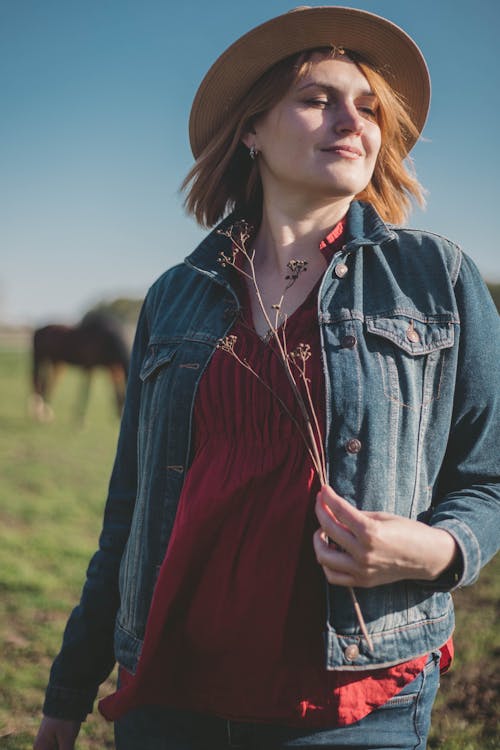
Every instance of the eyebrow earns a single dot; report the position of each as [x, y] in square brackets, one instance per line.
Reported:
[334, 89]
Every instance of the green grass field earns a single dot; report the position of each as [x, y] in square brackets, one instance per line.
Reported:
[52, 488]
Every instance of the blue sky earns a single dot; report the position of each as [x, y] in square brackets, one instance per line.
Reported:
[95, 98]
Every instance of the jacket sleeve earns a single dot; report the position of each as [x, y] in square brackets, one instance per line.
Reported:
[468, 504]
[86, 657]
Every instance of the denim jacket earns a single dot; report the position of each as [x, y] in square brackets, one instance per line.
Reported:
[411, 356]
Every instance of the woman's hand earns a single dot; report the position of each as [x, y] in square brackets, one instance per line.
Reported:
[373, 548]
[56, 734]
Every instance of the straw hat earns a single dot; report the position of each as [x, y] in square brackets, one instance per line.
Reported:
[383, 44]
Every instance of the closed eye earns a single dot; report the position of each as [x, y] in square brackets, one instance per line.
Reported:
[321, 103]
[368, 112]
[368, 106]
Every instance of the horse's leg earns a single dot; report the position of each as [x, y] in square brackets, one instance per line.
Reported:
[84, 396]
[118, 379]
[42, 382]
[37, 400]
[52, 374]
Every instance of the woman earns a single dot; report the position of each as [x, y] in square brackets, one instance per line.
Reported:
[232, 555]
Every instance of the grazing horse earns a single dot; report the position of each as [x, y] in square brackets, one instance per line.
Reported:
[97, 341]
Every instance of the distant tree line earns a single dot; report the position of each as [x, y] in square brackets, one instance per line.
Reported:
[126, 309]
[495, 293]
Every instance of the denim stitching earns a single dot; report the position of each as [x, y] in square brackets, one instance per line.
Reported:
[391, 382]
[428, 668]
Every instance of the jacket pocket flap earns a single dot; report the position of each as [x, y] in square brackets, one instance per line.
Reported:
[157, 356]
[412, 335]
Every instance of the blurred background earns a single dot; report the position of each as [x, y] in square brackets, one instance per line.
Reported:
[95, 100]
[93, 137]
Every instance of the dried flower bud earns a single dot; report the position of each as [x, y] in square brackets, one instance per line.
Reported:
[296, 267]
[227, 260]
[227, 343]
[241, 230]
[302, 352]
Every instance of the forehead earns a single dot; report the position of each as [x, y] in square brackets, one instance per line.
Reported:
[328, 70]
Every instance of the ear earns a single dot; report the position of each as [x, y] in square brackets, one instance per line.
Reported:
[248, 139]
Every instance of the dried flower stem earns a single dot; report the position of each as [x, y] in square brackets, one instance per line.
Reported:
[302, 353]
[239, 234]
[312, 445]
[227, 345]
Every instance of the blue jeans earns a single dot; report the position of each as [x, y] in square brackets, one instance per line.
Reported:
[400, 724]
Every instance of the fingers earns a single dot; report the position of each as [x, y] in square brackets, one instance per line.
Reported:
[337, 565]
[341, 522]
[346, 563]
[336, 532]
[342, 510]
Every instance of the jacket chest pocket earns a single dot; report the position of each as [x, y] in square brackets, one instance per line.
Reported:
[411, 355]
[156, 371]
[158, 358]
[169, 373]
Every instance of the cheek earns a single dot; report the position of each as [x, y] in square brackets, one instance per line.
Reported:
[297, 126]
[291, 143]
[375, 139]
[372, 145]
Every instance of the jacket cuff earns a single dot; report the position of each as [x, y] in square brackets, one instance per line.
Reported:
[67, 703]
[466, 569]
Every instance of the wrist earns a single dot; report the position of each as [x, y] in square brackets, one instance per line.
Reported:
[445, 553]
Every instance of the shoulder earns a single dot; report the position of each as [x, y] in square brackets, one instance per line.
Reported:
[428, 249]
[184, 281]
[176, 284]
[428, 255]
[172, 277]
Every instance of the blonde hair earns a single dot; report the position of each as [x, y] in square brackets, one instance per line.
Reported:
[225, 179]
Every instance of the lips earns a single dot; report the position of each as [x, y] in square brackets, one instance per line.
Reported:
[343, 149]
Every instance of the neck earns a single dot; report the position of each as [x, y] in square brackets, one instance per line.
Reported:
[285, 234]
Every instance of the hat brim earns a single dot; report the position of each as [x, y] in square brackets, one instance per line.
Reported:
[380, 42]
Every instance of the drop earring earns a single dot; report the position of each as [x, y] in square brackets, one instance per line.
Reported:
[253, 153]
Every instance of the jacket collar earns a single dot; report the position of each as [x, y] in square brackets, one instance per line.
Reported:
[205, 257]
[364, 227]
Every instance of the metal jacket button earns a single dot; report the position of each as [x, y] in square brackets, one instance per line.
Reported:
[340, 270]
[412, 335]
[351, 652]
[353, 445]
[348, 342]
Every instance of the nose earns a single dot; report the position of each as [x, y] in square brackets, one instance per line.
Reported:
[348, 119]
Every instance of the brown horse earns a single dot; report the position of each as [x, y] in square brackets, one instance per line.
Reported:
[97, 341]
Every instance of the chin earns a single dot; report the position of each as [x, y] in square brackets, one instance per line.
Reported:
[337, 189]
[347, 189]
